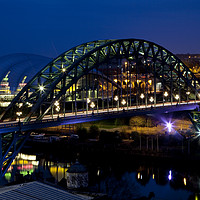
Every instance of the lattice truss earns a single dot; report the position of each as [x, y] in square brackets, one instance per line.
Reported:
[100, 70]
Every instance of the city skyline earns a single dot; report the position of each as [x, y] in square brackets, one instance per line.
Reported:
[50, 28]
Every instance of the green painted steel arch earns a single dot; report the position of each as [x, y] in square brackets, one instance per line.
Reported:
[53, 80]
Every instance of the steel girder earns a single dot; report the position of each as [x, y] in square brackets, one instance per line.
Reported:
[10, 145]
[52, 82]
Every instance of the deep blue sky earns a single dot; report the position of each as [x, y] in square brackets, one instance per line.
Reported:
[50, 27]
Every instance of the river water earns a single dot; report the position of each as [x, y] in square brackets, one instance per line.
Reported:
[119, 179]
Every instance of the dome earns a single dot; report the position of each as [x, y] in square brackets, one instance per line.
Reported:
[21, 66]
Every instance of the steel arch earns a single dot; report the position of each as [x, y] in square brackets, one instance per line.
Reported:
[52, 82]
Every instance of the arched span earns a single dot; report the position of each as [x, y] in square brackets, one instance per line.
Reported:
[145, 72]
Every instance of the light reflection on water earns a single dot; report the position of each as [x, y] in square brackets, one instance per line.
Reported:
[131, 183]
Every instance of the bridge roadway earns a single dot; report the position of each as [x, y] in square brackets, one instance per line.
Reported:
[81, 117]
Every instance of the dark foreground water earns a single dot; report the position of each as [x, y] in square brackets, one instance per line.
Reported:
[120, 178]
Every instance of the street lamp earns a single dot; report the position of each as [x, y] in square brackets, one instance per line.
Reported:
[63, 69]
[92, 105]
[142, 97]
[123, 102]
[57, 105]
[116, 98]
[177, 97]
[188, 93]
[165, 96]
[151, 100]
[19, 113]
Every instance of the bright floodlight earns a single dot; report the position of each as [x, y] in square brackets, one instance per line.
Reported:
[169, 126]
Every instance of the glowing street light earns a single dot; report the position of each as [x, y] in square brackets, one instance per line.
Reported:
[88, 100]
[177, 97]
[151, 99]
[116, 98]
[63, 69]
[19, 113]
[56, 103]
[123, 102]
[92, 105]
[165, 94]
[142, 96]
[188, 93]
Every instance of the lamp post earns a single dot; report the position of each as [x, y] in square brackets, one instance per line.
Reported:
[151, 100]
[165, 96]
[92, 105]
[19, 113]
[188, 93]
[123, 102]
[116, 98]
[142, 97]
[57, 105]
[87, 102]
[177, 97]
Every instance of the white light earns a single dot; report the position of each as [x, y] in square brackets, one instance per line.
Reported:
[88, 100]
[58, 108]
[20, 105]
[116, 98]
[165, 93]
[142, 96]
[63, 69]
[177, 97]
[170, 175]
[19, 114]
[92, 105]
[41, 88]
[56, 103]
[151, 99]
[123, 102]
[188, 92]
[169, 127]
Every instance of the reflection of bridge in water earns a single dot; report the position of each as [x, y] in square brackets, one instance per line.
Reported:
[99, 80]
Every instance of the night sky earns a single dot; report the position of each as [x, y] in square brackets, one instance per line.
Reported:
[50, 27]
